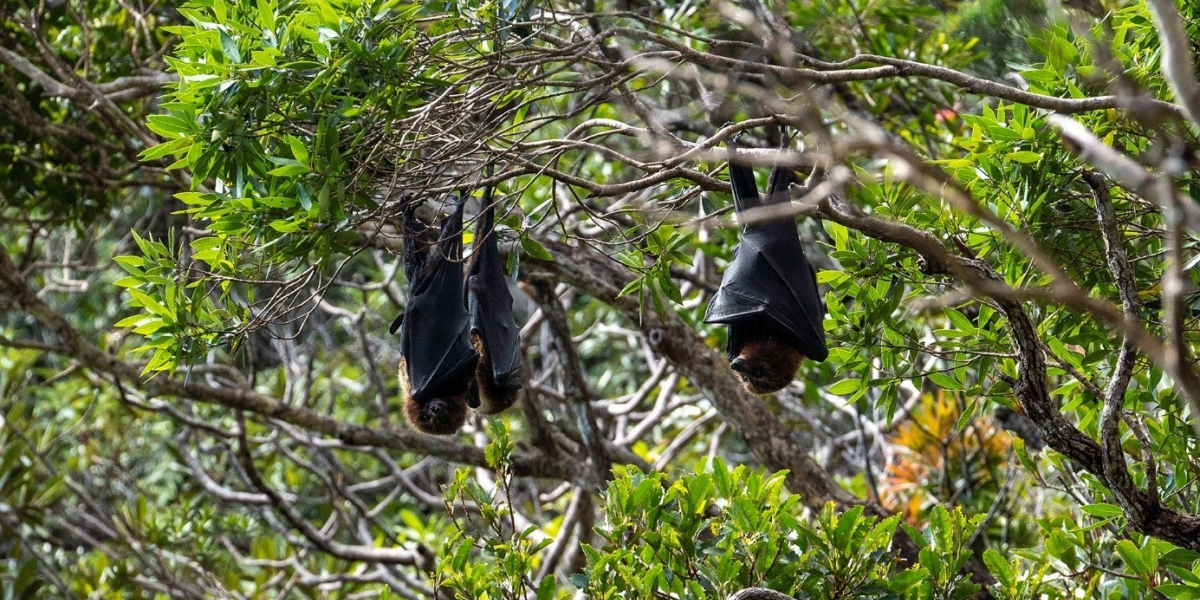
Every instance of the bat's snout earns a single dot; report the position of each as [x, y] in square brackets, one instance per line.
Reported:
[436, 407]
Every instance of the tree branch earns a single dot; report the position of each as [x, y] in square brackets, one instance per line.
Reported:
[1150, 516]
[12, 284]
[578, 394]
[395, 556]
[840, 72]
[1177, 214]
[1177, 65]
[772, 443]
[1120, 482]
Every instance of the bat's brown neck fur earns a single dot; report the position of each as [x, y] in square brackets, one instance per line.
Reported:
[444, 413]
[492, 398]
[766, 365]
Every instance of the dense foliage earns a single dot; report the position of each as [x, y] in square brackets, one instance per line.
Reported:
[199, 262]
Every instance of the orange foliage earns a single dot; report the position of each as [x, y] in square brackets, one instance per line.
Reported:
[936, 463]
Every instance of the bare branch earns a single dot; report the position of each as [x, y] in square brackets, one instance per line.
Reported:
[242, 398]
[1119, 480]
[1148, 516]
[51, 85]
[1177, 66]
[577, 390]
[1120, 168]
[823, 72]
[370, 554]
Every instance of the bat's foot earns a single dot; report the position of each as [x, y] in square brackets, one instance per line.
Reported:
[766, 365]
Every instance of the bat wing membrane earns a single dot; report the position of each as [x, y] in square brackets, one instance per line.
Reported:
[770, 276]
[799, 309]
[745, 191]
[491, 304]
[434, 334]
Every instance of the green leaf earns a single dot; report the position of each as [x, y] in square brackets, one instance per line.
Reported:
[299, 150]
[535, 249]
[1132, 556]
[1102, 509]
[230, 48]
[168, 126]
[829, 276]
[129, 321]
[289, 170]
[176, 146]
[999, 567]
[130, 261]
[142, 299]
[1023, 157]
[960, 320]
[149, 327]
[838, 232]
[1181, 556]
[547, 588]
[844, 387]
[1179, 592]
[905, 579]
[945, 381]
[631, 287]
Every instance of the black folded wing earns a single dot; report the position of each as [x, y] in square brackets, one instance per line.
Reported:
[491, 304]
[770, 280]
[434, 335]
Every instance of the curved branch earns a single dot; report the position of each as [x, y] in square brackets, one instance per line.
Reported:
[576, 387]
[1177, 65]
[12, 284]
[394, 556]
[51, 85]
[772, 442]
[1148, 515]
[840, 72]
[757, 593]
[1114, 395]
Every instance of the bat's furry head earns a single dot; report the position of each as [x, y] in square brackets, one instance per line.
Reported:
[766, 365]
[443, 414]
[493, 398]
[437, 416]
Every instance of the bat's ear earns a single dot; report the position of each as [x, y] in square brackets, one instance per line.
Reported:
[396, 323]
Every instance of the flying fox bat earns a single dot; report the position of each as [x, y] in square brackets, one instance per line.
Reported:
[436, 357]
[768, 295]
[494, 332]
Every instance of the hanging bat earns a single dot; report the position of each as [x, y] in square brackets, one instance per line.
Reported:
[436, 357]
[768, 295]
[494, 331]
